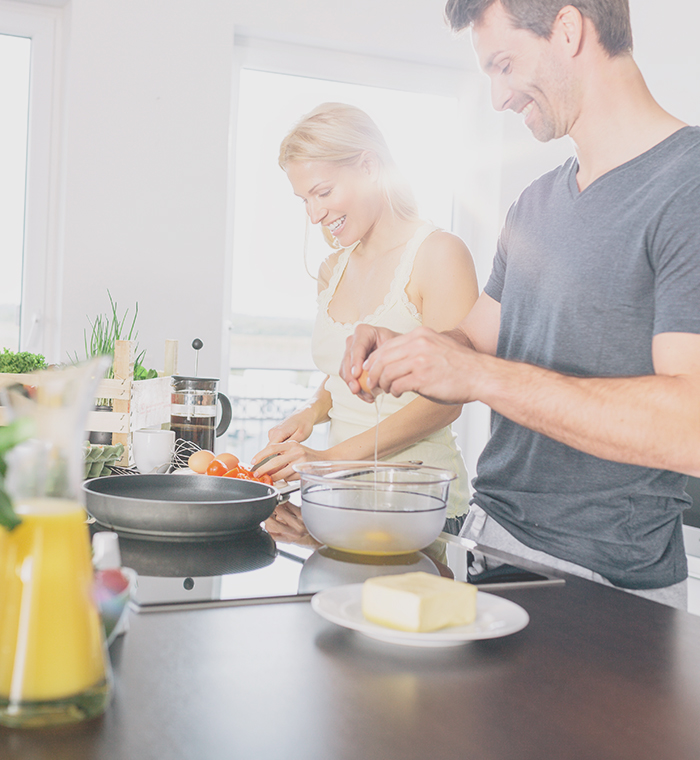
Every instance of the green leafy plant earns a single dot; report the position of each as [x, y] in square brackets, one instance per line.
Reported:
[21, 361]
[10, 435]
[105, 330]
[141, 373]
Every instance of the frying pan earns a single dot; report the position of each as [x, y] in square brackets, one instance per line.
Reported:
[178, 507]
[239, 553]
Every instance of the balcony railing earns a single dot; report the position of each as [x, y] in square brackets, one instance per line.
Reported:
[253, 417]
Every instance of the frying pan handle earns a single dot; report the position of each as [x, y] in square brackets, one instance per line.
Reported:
[226, 414]
[289, 488]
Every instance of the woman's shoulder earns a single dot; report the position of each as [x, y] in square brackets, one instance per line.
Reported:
[444, 282]
[441, 240]
[443, 249]
[443, 261]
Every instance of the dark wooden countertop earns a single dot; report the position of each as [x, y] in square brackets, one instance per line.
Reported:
[597, 675]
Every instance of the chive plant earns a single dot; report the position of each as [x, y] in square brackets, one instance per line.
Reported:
[106, 329]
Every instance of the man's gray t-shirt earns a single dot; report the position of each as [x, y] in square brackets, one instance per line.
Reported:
[585, 280]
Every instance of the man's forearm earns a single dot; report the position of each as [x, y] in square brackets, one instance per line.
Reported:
[652, 421]
[461, 337]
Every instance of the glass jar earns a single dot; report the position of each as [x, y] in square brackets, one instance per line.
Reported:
[193, 408]
[54, 665]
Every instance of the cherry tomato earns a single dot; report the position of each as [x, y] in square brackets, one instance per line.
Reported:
[234, 472]
[266, 479]
[217, 467]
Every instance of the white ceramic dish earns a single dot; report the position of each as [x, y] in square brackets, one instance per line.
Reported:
[495, 617]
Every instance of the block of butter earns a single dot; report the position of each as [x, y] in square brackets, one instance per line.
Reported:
[418, 602]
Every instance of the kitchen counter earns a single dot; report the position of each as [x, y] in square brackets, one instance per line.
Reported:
[597, 674]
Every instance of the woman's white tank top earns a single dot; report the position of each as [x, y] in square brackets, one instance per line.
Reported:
[350, 415]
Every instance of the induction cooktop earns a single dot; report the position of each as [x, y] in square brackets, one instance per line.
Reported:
[252, 568]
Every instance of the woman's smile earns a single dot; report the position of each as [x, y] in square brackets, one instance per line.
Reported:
[344, 199]
[336, 226]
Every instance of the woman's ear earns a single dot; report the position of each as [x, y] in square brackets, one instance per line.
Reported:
[369, 164]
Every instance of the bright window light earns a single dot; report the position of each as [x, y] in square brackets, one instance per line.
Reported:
[14, 105]
[273, 297]
[269, 278]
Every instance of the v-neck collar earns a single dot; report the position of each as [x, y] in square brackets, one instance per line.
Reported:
[573, 185]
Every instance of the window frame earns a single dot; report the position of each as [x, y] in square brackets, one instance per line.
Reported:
[41, 268]
[281, 57]
[471, 198]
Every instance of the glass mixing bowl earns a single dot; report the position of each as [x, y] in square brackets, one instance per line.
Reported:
[381, 509]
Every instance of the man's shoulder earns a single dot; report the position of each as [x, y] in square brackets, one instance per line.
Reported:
[682, 148]
[669, 172]
[687, 138]
[684, 154]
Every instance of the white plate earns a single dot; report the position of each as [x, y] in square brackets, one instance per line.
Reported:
[495, 617]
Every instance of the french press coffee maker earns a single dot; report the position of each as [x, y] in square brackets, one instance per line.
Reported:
[193, 409]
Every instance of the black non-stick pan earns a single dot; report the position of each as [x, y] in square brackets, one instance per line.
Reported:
[179, 506]
[239, 553]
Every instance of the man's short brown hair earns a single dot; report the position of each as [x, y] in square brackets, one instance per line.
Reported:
[611, 18]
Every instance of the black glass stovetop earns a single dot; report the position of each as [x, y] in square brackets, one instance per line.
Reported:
[253, 568]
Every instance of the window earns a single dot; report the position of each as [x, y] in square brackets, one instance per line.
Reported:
[14, 97]
[270, 222]
[273, 293]
[29, 60]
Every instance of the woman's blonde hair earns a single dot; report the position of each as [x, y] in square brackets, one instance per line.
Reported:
[341, 133]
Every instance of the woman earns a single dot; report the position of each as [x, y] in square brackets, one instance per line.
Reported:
[390, 268]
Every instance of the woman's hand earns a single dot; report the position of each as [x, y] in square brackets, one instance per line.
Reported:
[286, 454]
[297, 427]
[285, 525]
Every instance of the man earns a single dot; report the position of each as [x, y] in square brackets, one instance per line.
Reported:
[586, 340]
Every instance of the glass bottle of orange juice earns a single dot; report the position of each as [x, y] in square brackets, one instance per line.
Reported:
[54, 666]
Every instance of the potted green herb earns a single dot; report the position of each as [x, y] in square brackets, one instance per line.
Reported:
[105, 330]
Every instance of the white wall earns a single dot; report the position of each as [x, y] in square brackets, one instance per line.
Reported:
[148, 89]
[144, 148]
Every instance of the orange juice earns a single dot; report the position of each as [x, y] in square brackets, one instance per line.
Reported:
[51, 637]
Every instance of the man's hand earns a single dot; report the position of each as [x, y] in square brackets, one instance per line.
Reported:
[358, 347]
[474, 337]
[434, 365]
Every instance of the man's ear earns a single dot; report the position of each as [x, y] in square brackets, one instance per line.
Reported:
[569, 29]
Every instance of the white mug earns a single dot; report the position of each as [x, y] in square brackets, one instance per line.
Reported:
[152, 449]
